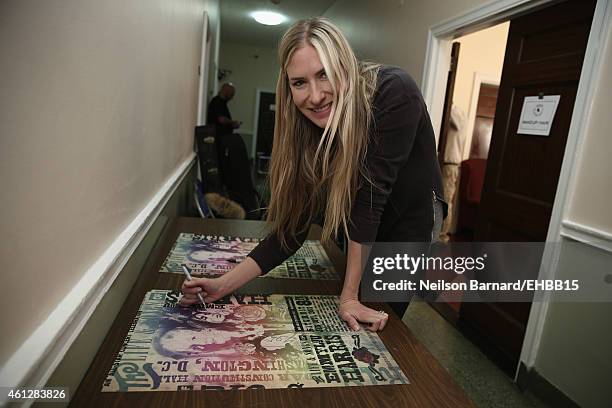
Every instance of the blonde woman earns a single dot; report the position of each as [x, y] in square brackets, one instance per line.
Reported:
[352, 142]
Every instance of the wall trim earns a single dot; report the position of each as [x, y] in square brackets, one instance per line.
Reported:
[34, 362]
[587, 235]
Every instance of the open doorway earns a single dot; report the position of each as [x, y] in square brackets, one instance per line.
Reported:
[508, 178]
[467, 136]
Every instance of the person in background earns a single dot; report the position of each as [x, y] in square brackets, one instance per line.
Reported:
[453, 156]
[352, 141]
[234, 164]
[218, 112]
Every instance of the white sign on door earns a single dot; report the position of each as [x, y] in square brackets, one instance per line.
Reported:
[538, 114]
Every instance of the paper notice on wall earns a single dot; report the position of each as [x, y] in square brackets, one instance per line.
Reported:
[538, 114]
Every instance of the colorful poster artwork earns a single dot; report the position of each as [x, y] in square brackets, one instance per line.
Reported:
[212, 256]
[247, 342]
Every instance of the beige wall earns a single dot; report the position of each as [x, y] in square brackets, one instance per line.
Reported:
[97, 111]
[590, 204]
[386, 32]
[252, 68]
[79, 356]
[481, 53]
[574, 352]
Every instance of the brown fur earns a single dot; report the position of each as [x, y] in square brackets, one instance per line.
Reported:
[224, 207]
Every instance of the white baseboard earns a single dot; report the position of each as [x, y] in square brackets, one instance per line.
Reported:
[34, 362]
[587, 235]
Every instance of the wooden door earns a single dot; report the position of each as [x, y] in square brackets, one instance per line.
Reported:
[483, 123]
[544, 55]
[265, 122]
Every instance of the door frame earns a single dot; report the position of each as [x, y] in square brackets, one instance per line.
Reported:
[258, 93]
[437, 62]
[203, 71]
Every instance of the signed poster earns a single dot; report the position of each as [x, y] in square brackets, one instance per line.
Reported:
[212, 256]
[247, 342]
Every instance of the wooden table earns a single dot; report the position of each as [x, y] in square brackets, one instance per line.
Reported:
[430, 384]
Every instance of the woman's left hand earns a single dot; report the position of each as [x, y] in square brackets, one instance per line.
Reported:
[353, 313]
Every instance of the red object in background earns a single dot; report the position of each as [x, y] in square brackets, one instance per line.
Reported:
[470, 191]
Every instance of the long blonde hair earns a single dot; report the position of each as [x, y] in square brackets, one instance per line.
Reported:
[313, 170]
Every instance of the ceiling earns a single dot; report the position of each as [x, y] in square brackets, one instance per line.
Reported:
[237, 26]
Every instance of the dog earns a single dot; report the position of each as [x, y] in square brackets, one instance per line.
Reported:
[224, 207]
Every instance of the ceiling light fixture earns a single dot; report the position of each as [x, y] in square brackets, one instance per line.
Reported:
[268, 17]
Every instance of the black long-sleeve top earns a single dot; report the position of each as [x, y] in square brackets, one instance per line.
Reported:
[401, 163]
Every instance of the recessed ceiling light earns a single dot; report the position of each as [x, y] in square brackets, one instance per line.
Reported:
[268, 17]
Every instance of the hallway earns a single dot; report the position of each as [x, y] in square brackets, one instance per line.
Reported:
[483, 381]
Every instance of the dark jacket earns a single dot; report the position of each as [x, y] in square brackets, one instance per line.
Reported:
[402, 164]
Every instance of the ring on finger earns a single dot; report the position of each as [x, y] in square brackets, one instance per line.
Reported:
[381, 311]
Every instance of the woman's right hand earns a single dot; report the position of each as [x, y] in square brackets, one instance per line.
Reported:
[211, 290]
[215, 289]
